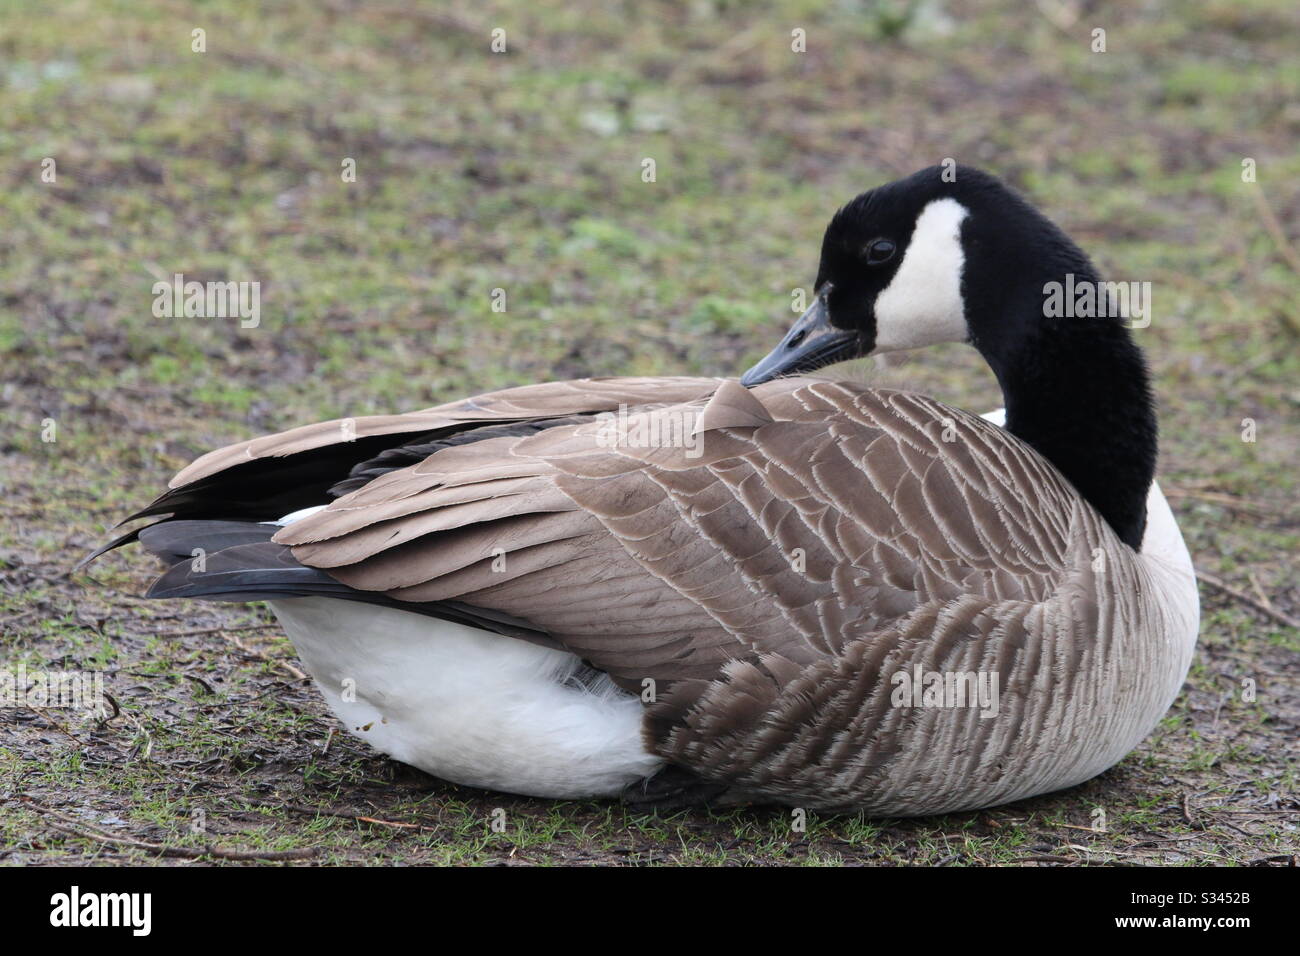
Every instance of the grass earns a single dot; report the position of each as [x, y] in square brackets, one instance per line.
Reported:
[522, 171]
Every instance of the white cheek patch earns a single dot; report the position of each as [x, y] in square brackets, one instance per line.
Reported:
[923, 305]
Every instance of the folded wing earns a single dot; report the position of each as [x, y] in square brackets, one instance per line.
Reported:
[782, 551]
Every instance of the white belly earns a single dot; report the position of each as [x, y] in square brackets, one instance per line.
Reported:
[466, 705]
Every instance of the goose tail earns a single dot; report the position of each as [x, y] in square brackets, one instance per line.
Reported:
[237, 561]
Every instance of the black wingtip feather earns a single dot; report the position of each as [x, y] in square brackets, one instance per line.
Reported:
[263, 568]
[177, 540]
[238, 562]
[104, 549]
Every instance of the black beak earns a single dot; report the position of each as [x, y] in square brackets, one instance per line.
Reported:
[811, 344]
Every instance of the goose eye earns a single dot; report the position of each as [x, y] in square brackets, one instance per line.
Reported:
[880, 250]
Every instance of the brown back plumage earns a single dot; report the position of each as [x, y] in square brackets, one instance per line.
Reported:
[766, 571]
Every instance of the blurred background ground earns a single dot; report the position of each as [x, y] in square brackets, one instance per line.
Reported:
[522, 171]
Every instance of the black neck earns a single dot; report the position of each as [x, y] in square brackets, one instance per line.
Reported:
[1077, 390]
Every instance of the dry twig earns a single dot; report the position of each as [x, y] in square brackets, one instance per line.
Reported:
[1220, 585]
[71, 826]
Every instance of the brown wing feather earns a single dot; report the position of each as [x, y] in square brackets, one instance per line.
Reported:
[546, 400]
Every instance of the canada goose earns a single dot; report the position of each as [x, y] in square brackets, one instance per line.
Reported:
[685, 590]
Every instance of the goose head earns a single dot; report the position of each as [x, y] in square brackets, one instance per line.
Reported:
[962, 258]
[948, 254]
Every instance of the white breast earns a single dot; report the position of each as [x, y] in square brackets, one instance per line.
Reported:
[466, 705]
